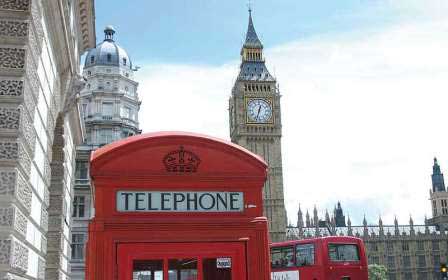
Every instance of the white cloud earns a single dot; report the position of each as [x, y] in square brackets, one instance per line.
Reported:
[363, 115]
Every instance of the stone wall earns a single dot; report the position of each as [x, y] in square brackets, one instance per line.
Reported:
[32, 79]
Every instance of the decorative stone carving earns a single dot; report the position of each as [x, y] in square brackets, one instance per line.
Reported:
[28, 100]
[41, 269]
[19, 257]
[8, 150]
[6, 216]
[13, 58]
[24, 192]
[9, 276]
[11, 88]
[44, 219]
[37, 22]
[5, 251]
[24, 159]
[52, 113]
[7, 182]
[18, 5]
[32, 82]
[47, 172]
[13, 28]
[43, 244]
[27, 129]
[20, 222]
[77, 83]
[9, 118]
[46, 197]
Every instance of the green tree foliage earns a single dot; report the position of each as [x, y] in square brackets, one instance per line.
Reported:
[377, 272]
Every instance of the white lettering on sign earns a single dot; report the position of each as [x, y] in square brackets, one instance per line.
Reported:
[285, 275]
[223, 263]
[183, 201]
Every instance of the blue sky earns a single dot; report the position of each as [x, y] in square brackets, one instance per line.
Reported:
[211, 31]
[363, 86]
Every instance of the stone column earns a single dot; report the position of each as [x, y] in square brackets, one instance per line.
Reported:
[57, 241]
[61, 188]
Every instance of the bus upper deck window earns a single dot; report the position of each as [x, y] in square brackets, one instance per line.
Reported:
[304, 254]
[282, 257]
[343, 252]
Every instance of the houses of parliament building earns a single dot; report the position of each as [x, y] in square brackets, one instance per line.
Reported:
[408, 251]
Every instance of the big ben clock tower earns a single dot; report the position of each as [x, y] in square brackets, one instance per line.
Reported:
[255, 123]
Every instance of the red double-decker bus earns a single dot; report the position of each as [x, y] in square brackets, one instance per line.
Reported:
[323, 258]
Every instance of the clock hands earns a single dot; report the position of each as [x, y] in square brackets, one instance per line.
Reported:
[258, 113]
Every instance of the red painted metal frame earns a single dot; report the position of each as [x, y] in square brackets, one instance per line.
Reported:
[127, 253]
[136, 163]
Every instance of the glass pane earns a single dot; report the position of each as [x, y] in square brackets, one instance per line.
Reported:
[287, 257]
[305, 254]
[276, 258]
[282, 257]
[183, 269]
[148, 270]
[343, 252]
[217, 269]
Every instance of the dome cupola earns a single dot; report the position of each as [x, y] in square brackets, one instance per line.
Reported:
[108, 53]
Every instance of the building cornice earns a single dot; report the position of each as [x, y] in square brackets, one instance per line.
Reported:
[86, 25]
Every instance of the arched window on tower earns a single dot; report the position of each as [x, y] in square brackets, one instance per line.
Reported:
[124, 61]
[92, 59]
[109, 57]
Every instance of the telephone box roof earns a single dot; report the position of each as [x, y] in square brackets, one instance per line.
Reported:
[145, 153]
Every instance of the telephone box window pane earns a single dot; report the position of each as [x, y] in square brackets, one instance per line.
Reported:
[148, 270]
[212, 270]
[183, 269]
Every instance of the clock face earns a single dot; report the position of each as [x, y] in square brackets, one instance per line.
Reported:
[259, 111]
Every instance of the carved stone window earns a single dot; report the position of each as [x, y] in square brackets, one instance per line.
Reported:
[77, 246]
[79, 206]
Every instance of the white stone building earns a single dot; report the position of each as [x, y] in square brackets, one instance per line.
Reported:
[110, 106]
[40, 46]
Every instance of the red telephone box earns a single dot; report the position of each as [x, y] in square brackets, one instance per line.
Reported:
[177, 206]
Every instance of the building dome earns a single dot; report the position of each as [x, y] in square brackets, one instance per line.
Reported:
[108, 53]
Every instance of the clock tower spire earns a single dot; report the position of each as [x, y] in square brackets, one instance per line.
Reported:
[255, 123]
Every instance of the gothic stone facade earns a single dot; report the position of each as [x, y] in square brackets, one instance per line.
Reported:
[40, 45]
[409, 252]
[255, 123]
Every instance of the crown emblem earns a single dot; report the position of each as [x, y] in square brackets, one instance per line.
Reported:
[181, 161]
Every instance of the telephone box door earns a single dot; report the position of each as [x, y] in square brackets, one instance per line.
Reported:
[182, 261]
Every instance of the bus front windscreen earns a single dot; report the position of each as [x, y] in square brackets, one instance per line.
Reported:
[343, 252]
